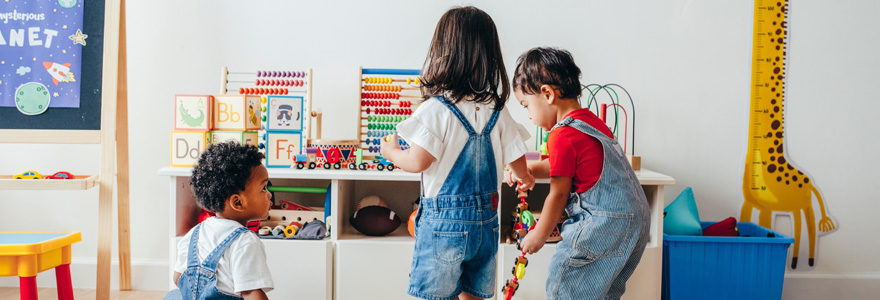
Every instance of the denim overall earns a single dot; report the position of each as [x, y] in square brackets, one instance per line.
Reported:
[457, 231]
[606, 231]
[199, 281]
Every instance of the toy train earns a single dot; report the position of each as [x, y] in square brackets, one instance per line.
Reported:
[335, 156]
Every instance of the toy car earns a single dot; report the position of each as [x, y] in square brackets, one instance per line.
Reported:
[302, 160]
[28, 175]
[60, 175]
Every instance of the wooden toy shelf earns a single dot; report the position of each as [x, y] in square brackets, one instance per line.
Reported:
[334, 268]
[80, 182]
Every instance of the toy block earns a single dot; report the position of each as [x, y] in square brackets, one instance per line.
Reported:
[635, 162]
[285, 113]
[186, 146]
[236, 112]
[241, 137]
[192, 112]
[282, 148]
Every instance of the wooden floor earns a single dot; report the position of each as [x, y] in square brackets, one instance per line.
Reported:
[11, 293]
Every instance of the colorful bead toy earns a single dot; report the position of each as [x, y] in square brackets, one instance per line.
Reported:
[526, 221]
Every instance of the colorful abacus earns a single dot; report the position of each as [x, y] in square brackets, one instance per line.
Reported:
[387, 98]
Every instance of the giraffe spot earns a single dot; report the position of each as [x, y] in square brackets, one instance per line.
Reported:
[778, 31]
[775, 142]
[789, 167]
[778, 15]
[794, 178]
[800, 185]
[773, 158]
[781, 159]
[775, 124]
[786, 182]
[777, 47]
[771, 115]
[779, 134]
[770, 150]
[776, 69]
[777, 83]
[771, 168]
[769, 134]
[773, 89]
[786, 174]
[774, 22]
[780, 77]
[806, 180]
[778, 3]
[778, 178]
[777, 58]
[776, 109]
[779, 40]
[777, 94]
[779, 149]
[774, 100]
[800, 173]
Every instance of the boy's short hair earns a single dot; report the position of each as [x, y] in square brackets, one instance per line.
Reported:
[551, 66]
[223, 170]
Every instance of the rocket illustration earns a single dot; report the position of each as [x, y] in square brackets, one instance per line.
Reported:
[59, 72]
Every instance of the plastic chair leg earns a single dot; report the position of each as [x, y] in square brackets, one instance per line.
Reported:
[63, 283]
[28, 288]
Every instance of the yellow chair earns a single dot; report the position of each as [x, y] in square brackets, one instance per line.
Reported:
[24, 254]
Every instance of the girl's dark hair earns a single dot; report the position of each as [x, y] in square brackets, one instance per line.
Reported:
[223, 170]
[552, 66]
[464, 59]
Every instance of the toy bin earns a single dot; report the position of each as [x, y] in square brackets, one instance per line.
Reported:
[750, 266]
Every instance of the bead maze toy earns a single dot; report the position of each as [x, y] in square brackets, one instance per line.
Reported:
[335, 154]
[526, 220]
[388, 96]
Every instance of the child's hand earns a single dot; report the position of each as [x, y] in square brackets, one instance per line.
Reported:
[509, 178]
[526, 183]
[388, 144]
[532, 242]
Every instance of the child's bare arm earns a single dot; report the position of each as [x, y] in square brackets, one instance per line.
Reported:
[540, 169]
[257, 294]
[176, 277]
[550, 214]
[520, 173]
[414, 160]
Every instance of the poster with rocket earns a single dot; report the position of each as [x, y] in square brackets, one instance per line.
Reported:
[41, 44]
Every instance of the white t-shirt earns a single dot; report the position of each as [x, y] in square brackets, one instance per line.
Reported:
[436, 129]
[241, 268]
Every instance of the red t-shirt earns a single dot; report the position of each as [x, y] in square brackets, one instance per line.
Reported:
[575, 154]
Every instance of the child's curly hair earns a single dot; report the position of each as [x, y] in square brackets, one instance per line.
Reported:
[223, 170]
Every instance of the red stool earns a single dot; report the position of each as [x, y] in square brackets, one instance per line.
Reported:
[24, 254]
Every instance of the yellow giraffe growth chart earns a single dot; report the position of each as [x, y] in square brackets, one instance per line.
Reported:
[771, 183]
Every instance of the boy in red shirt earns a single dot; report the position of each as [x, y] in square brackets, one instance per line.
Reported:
[590, 179]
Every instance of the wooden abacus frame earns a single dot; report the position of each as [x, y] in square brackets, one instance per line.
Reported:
[392, 77]
[308, 113]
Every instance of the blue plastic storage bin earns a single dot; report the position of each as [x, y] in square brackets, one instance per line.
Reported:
[750, 266]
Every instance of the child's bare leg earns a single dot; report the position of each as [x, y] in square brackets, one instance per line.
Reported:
[466, 296]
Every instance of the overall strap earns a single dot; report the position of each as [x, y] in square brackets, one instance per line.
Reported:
[214, 257]
[492, 120]
[458, 114]
[192, 257]
[584, 128]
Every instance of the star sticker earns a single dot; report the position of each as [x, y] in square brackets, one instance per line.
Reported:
[79, 37]
[55, 94]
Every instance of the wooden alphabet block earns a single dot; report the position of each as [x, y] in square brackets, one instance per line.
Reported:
[242, 137]
[285, 113]
[192, 112]
[282, 148]
[186, 146]
[236, 112]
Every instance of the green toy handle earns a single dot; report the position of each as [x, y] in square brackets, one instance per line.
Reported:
[297, 189]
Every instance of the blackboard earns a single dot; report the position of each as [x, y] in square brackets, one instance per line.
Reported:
[87, 116]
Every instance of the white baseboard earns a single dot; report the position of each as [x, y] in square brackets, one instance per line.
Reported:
[146, 275]
[808, 286]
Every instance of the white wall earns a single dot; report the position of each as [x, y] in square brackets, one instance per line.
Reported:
[687, 63]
